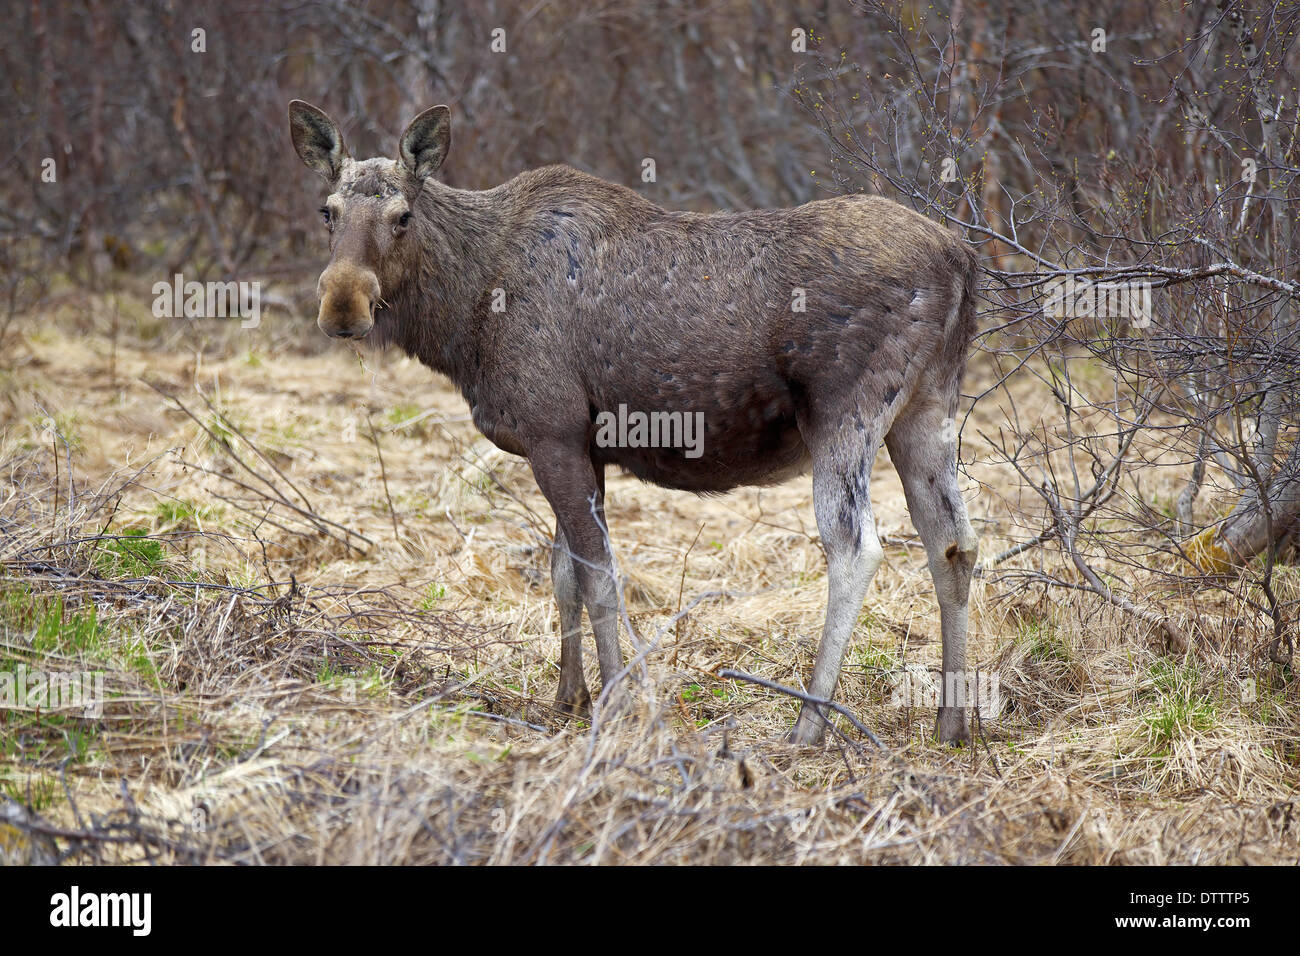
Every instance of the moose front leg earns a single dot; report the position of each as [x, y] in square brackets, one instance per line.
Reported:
[572, 696]
[575, 491]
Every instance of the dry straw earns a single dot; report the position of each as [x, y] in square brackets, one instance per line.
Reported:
[311, 658]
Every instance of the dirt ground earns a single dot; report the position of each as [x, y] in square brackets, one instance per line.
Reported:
[351, 658]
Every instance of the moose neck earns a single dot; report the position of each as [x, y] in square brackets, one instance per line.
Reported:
[455, 250]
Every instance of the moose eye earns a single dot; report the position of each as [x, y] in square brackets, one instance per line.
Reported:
[406, 218]
[325, 215]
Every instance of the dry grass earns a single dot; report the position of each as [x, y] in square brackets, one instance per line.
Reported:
[313, 659]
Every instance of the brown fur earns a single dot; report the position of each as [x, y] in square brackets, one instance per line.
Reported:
[610, 299]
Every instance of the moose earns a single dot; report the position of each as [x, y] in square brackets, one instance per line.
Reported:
[806, 337]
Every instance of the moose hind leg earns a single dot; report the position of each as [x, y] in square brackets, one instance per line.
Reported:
[572, 696]
[923, 446]
[842, 502]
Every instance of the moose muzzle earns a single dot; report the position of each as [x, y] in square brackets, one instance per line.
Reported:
[349, 295]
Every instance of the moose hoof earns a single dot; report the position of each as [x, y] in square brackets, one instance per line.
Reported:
[807, 733]
[575, 703]
[953, 726]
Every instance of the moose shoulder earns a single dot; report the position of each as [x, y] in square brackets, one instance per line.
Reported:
[588, 327]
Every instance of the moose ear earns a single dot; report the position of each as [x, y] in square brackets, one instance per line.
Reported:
[317, 140]
[424, 145]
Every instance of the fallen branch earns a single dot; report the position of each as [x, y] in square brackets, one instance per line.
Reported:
[819, 702]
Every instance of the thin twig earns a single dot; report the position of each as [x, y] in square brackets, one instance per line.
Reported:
[818, 702]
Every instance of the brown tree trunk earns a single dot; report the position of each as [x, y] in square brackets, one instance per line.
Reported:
[1260, 517]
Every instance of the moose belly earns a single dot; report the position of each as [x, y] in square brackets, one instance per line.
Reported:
[703, 450]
